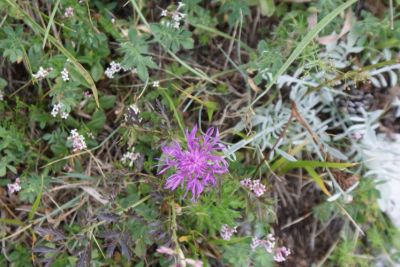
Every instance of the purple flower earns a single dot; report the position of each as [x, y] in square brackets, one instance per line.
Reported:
[281, 254]
[226, 232]
[197, 165]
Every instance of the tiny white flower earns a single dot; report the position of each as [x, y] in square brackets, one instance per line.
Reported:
[69, 12]
[156, 84]
[65, 75]
[112, 20]
[114, 68]
[164, 13]
[180, 5]
[64, 115]
[129, 157]
[1, 95]
[132, 115]
[90, 135]
[42, 73]
[56, 109]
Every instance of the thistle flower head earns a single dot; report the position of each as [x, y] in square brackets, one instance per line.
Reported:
[196, 166]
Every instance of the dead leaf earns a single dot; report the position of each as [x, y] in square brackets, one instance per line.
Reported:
[328, 39]
[96, 195]
[253, 86]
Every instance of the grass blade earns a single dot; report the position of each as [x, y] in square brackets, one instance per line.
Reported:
[46, 34]
[172, 106]
[36, 203]
[315, 164]
[318, 180]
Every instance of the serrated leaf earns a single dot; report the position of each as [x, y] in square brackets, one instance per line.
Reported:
[172, 39]
[134, 51]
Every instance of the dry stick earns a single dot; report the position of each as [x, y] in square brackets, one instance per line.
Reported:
[281, 135]
[296, 221]
[231, 44]
[174, 228]
[328, 254]
[316, 140]
[354, 73]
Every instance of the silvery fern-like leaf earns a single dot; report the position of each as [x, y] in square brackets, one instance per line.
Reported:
[396, 105]
[377, 76]
[381, 156]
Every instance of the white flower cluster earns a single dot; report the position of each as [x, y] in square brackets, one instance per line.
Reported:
[77, 140]
[114, 68]
[65, 75]
[226, 232]
[69, 12]
[129, 157]
[184, 261]
[57, 111]
[176, 16]
[268, 243]
[254, 186]
[280, 253]
[14, 187]
[132, 115]
[42, 73]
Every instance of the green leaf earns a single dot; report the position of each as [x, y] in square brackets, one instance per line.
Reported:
[11, 221]
[267, 7]
[97, 71]
[172, 39]
[318, 180]
[107, 101]
[211, 108]
[3, 83]
[98, 120]
[36, 203]
[140, 248]
[134, 51]
[3, 170]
